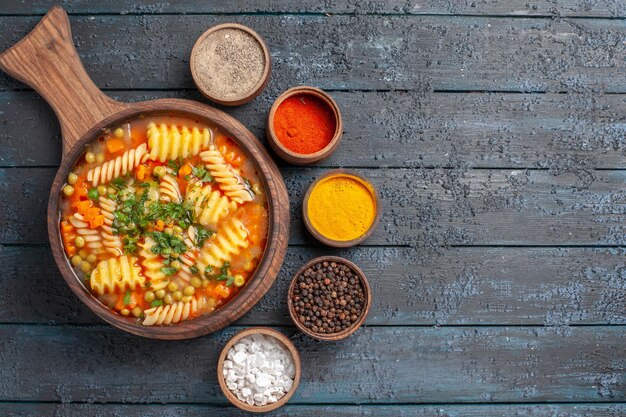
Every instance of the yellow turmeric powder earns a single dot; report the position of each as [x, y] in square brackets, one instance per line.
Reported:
[341, 207]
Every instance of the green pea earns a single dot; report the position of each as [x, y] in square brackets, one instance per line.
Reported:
[111, 190]
[175, 264]
[174, 255]
[159, 171]
[92, 258]
[160, 294]
[196, 282]
[168, 299]
[177, 295]
[90, 157]
[149, 296]
[169, 230]
[186, 299]
[68, 190]
[124, 312]
[189, 290]
[205, 283]
[79, 241]
[72, 178]
[100, 157]
[102, 189]
[83, 253]
[171, 287]
[137, 311]
[177, 229]
[119, 132]
[239, 281]
[76, 260]
[85, 266]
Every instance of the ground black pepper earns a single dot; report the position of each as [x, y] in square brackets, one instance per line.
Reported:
[328, 297]
[230, 63]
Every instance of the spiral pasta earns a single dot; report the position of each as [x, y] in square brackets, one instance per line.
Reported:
[171, 142]
[209, 206]
[116, 274]
[187, 259]
[119, 166]
[112, 243]
[168, 189]
[165, 218]
[152, 265]
[229, 241]
[170, 314]
[93, 238]
[228, 180]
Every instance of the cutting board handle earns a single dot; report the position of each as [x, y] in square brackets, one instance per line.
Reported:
[46, 60]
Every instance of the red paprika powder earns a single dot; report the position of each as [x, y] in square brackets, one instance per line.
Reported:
[304, 123]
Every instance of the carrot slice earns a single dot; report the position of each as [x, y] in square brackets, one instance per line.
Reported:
[115, 145]
[96, 221]
[83, 206]
[184, 170]
[140, 172]
[160, 225]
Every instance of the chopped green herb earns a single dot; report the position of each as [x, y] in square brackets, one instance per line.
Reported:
[202, 235]
[168, 270]
[130, 243]
[156, 303]
[93, 193]
[118, 183]
[167, 244]
[202, 174]
[175, 165]
[194, 269]
[126, 299]
[147, 285]
[208, 269]
[225, 274]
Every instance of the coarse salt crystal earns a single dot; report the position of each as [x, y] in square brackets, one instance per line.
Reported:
[259, 370]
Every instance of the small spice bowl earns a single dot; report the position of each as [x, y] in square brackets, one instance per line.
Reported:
[366, 190]
[209, 42]
[266, 331]
[367, 293]
[297, 158]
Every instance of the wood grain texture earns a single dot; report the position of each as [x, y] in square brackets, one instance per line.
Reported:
[453, 286]
[420, 207]
[375, 365]
[46, 60]
[397, 129]
[360, 52]
[601, 8]
[176, 410]
[425, 121]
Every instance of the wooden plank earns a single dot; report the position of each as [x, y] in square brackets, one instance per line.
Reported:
[441, 129]
[606, 8]
[421, 365]
[127, 410]
[572, 206]
[360, 52]
[468, 286]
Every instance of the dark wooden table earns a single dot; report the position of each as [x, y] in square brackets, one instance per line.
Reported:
[496, 133]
